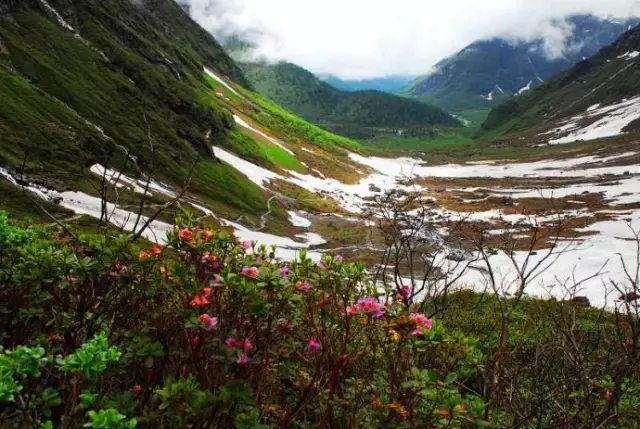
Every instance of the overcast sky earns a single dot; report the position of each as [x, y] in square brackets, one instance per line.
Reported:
[369, 38]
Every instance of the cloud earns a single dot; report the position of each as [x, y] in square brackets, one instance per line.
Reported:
[371, 38]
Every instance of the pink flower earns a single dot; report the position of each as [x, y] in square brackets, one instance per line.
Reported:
[420, 320]
[339, 258]
[284, 271]
[251, 272]
[185, 235]
[208, 321]
[313, 344]
[230, 342]
[322, 265]
[195, 341]
[304, 286]
[246, 244]
[137, 388]
[367, 305]
[416, 332]
[242, 359]
[120, 267]
[247, 344]
[206, 236]
[217, 280]
[405, 291]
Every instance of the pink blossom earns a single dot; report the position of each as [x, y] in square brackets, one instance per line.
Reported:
[352, 309]
[420, 319]
[206, 236]
[208, 321]
[284, 271]
[247, 344]
[185, 235]
[416, 332]
[322, 265]
[230, 342]
[251, 272]
[242, 359]
[313, 344]
[137, 388]
[339, 258]
[195, 341]
[246, 244]
[378, 314]
[304, 286]
[405, 291]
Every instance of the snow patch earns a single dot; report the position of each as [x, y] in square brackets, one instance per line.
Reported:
[614, 118]
[297, 220]
[488, 97]
[242, 123]
[525, 88]
[220, 80]
[629, 55]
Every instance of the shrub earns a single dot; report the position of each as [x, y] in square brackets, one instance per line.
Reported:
[210, 332]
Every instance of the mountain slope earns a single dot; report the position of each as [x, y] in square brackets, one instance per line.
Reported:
[356, 114]
[597, 93]
[121, 83]
[487, 72]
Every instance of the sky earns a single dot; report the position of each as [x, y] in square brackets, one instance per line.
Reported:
[358, 39]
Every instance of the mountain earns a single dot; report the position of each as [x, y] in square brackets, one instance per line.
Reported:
[389, 84]
[356, 114]
[489, 71]
[598, 97]
[138, 86]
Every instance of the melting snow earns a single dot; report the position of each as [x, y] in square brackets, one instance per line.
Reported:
[137, 185]
[488, 97]
[297, 220]
[55, 13]
[242, 123]
[629, 55]
[220, 80]
[525, 88]
[614, 118]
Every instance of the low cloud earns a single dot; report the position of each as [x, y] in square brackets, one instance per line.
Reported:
[371, 38]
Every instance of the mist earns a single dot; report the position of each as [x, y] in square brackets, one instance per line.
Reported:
[356, 39]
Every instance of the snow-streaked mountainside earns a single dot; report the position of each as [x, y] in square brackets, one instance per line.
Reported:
[488, 71]
[598, 97]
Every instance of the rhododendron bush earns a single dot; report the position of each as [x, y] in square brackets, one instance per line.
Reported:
[209, 332]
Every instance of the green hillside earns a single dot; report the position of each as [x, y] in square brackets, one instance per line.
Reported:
[121, 83]
[607, 77]
[356, 114]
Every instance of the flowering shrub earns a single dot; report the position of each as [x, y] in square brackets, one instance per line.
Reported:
[209, 329]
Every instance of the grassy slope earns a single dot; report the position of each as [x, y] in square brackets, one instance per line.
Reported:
[356, 114]
[139, 75]
[603, 78]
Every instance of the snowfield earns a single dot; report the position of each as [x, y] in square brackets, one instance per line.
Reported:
[593, 261]
[610, 121]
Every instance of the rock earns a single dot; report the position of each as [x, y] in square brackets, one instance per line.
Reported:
[374, 188]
